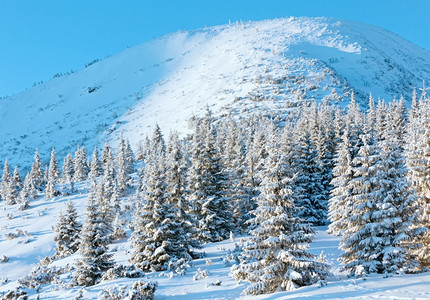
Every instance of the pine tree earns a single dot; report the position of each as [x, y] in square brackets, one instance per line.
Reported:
[67, 170]
[275, 257]
[383, 213]
[27, 193]
[67, 232]
[80, 167]
[53, 175]
[151, 220]
[17, 179]
[93, 246]
[418, 163]
[36, 172]
[8, 188]
[340, 203]
[123, 167]
[238, 189]
[309, 192]
[181, 232]
[206, 185]
[95, 168]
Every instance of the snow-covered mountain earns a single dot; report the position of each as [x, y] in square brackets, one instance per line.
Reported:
[236, 68]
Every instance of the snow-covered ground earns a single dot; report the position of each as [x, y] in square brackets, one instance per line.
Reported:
[237, 68]
[34, 240]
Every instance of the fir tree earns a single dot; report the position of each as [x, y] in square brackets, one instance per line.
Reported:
[418, 163]
[17, 179]
[80, 167]
[151, 215]
[95, 168]
[340, 202]
[67, 232]
[53, 175]
[93, 246]
[36, 172]
[275, 257]
[123, 167]
[8, 187]
[206, 185]
[27, 193]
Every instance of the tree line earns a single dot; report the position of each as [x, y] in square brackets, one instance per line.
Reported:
[364, 173]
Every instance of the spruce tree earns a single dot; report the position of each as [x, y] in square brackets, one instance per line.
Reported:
[207, 184]
[309, 192]
[275, 257]
[340, 203]
[67, 232]
[80, 166]
[8, 188]
[151, 215]
[95, 168]
[123, 167]
[418, 163]
[53, 175]
[36, 172]
[93, 247]
[17, 179]
[27, 193]
[67, 170]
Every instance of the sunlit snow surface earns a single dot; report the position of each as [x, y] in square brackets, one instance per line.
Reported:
[238, 69]
[37, 223]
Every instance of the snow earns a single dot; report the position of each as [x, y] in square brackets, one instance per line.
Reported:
[38, 220]
[239, 68]
[234, 69]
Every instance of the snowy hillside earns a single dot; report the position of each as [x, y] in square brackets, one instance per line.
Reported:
[36, 241]
[237, 68]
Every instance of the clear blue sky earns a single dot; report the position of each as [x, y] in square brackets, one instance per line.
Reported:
[39, 38]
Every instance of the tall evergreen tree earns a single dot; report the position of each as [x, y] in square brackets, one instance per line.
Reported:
[67, 232]
[93, 246]
[8, 188]
[80, 166]
[275, 257]
[36, 172]
[95, 168]
[53, 175]
[206, 185]
[151, 215]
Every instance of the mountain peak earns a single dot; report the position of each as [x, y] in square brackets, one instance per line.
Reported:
[237, 69]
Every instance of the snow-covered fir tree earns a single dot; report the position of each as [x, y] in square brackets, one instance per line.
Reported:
[123, 164]
[67, 170]
[181, 231]
[151, 221]
[383, 211]
[27, 193]
[8, 187]
[309, 192]
[17, 179]
[93, 247]
[53, 175]
[206, 185]
[237, 187]
[275, 257]
[80, 166]
[95, 167]
[340, 203]
[67, 232]
[37, 172]
[418, 163]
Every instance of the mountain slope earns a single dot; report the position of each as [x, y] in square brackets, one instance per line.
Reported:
[238, 68]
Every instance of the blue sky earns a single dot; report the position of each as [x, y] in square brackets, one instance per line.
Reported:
[39, 38]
